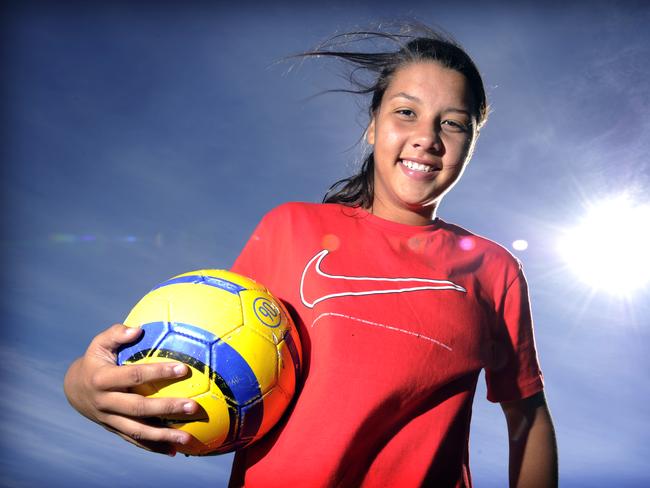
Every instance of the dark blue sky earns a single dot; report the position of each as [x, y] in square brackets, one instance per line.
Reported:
[145, 139]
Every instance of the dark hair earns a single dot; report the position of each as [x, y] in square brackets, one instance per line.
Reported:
[415, 43]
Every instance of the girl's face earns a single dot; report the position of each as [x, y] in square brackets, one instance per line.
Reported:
[423, 135]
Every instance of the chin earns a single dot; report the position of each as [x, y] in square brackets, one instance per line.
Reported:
[420, 202]
[421, 208]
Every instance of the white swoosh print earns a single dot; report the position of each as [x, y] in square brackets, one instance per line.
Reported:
[370, 285]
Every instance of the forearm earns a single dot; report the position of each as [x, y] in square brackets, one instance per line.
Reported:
[533, 459]
[533, 447]
[70, 385]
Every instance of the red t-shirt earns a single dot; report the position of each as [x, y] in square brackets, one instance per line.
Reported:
[396, 322]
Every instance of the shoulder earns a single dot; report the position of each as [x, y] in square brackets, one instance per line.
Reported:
[493, 255]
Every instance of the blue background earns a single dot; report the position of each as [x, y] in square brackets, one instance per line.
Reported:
[146, 139]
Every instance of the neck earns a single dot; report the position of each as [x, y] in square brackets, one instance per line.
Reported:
[408, 216]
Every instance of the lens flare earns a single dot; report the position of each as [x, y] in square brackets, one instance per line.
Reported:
[520, 245]
[467, 244]
[609, 249]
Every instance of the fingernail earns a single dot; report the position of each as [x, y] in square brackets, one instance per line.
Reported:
[188, 407]
[179, 369]
[182, 439]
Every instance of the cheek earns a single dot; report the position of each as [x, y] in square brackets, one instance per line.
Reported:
[459, 152]
[388, 140]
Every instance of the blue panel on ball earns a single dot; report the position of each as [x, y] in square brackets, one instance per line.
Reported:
[195, 332]
[236, 375]
[193, 351]
[220, 283]
[152, 334]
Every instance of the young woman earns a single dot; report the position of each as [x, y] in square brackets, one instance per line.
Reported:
[398, 310]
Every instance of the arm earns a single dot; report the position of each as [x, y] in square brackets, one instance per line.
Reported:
[99, 390]
[533, 448]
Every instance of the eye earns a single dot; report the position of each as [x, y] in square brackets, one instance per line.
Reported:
[456, 126]
[406, 113]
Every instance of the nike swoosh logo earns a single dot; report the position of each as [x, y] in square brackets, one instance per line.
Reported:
[333, 286]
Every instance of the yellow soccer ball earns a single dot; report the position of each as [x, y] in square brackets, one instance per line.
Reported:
[241, 347]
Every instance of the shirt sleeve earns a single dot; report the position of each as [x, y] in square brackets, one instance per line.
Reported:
[514, 372]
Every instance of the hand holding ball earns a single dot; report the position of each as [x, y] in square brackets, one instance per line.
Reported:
[240, 345]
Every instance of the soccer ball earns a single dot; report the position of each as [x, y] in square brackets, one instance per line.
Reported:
[241, 347]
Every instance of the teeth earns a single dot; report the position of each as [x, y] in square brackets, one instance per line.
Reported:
[417, 166]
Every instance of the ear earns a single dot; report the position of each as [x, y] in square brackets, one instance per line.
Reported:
[370, 132]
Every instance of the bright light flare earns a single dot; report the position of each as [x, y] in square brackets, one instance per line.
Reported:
[520, 245]
[610, 249]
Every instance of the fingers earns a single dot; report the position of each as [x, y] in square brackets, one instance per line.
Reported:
[149, 432]
[115, 336]
[153, 438]
[121, 377]
[133, 405]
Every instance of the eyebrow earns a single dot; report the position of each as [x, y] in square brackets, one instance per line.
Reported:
[407, 96]
[417, 100]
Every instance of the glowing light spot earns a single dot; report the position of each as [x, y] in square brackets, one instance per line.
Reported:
[467, 244]
[331, 242]
[609, 248]
[520, 245]
[416, 243]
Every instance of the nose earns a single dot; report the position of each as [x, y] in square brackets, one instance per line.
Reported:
[428, 139]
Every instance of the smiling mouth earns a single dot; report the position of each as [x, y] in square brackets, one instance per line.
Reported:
[412, 165]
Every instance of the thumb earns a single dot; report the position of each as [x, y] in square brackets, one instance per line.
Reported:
[115, 336]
